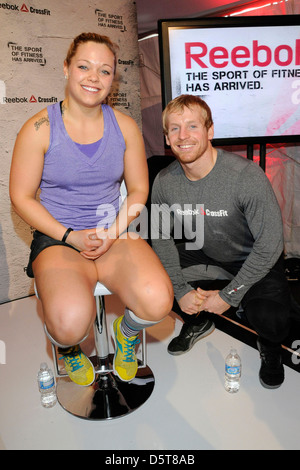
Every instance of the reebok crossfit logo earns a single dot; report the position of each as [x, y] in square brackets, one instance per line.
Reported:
[24, 99]
[201, 211]
[24, 9]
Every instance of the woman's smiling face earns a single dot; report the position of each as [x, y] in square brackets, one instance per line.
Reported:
[90, 73]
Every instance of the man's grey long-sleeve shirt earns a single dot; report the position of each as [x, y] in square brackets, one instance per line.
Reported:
[231, 214]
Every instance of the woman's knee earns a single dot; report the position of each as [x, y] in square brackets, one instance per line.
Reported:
[156, 300]
[69, 324]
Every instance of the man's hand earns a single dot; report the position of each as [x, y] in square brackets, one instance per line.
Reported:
[191, 302]
[213, 302]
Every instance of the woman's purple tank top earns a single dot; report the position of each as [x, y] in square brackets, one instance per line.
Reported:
[83, 191]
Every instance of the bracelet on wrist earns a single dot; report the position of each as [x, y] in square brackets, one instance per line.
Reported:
[66, 234]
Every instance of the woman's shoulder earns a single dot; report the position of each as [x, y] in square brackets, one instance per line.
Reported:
[124, 120]
[38, 120]
[36, 130]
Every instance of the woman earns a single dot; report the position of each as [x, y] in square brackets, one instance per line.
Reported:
[77, 152]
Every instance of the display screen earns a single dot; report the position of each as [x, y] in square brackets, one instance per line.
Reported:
[247, 69]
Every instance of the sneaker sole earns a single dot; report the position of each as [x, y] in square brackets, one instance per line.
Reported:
[269, 387]
[203, 335]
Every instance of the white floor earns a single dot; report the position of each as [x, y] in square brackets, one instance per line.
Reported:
[188, 409]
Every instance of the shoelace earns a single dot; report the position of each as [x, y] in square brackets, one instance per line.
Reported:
[73, 361]
[188, 332]
[129, 349]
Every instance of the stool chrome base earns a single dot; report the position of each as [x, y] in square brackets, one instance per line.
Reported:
[108, 397]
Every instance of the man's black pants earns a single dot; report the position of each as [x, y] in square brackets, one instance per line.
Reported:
[266, 305]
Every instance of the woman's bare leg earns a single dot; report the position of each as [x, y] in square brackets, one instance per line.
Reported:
[133, 271]
[65, 283]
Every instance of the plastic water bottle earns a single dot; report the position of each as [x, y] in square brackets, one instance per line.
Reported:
[46, 385]
[233, 369]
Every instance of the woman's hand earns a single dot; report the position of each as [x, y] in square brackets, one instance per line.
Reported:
[92, 243]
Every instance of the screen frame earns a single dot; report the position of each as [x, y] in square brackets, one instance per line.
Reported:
[164, 26]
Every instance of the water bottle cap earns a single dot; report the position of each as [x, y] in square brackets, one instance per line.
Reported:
[44, 366]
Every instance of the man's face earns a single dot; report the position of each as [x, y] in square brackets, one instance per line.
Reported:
[187, 134]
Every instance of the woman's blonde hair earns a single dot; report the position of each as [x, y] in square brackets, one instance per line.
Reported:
[91, 37]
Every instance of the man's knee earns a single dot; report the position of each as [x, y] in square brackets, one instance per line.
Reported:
[270, 319]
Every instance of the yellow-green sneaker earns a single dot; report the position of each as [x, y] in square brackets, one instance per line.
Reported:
[125, 362]
[78, 367]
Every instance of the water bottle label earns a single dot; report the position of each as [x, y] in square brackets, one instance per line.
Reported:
[47, 384]
[232, 370]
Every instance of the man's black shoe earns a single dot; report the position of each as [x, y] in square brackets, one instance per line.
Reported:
[271, 373]
[189, 335]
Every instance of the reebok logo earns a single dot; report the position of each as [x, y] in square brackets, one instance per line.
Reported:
[24, 99]
[25, 9]
[188, 212]
[236, 289]
[8, 6]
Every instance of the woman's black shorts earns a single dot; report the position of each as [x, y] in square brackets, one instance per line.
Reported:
[39, 243]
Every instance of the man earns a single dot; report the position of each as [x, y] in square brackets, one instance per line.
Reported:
[232, 225]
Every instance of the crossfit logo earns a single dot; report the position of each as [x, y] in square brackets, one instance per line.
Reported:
[236, 289]
[24, 9]
[220, 213]
[207, 212]
[23, 99]
[40, 99]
